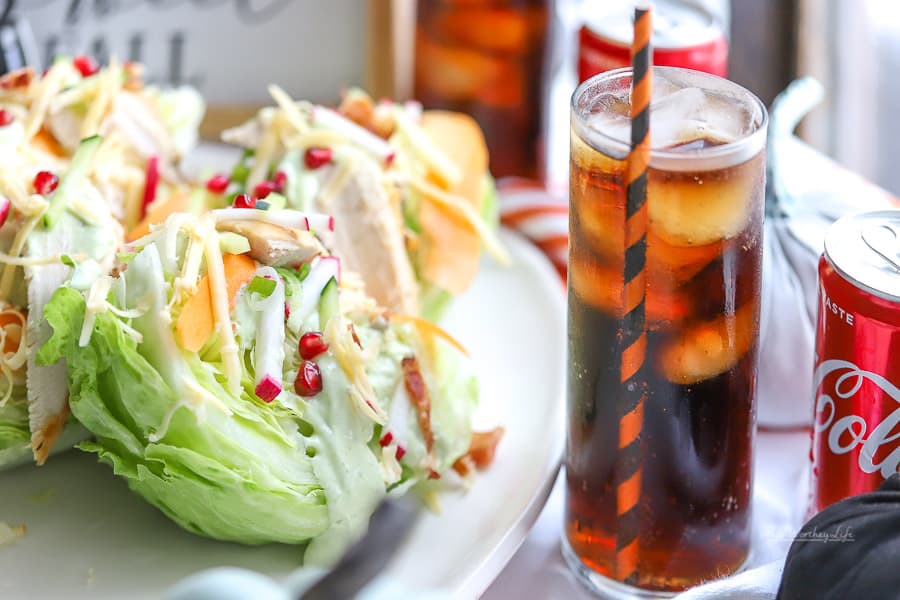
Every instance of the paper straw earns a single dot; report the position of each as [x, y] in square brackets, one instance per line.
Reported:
[634, 338]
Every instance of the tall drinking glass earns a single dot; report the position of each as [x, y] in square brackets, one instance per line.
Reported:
[705, 196]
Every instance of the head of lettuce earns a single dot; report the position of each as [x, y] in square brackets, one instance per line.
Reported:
[256, 395]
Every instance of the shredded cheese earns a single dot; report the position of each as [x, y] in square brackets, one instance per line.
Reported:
[33, 261]
[337, 181]
[13, 187]
[422, 145]
[45, 90]
[291, 111]
[391, 471]
[461, 206]
[96, 303]
[215, 270]
[109, 86]
[6, 281]
[11, 362]
[351, 361]
[265, 153]
[314, 137]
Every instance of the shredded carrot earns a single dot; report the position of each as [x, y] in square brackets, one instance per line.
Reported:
[428, 329]
[196, 321]
[158, 211]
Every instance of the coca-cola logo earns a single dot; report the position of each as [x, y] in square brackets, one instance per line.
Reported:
[849, 432]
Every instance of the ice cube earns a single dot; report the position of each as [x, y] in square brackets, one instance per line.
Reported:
[702, 207]
[676, 117]
[600, 285]
[710, 348]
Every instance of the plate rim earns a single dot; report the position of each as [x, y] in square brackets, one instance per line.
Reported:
[478, 581]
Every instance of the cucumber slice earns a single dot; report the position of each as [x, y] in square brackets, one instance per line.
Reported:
[328, 303]
[73, 179]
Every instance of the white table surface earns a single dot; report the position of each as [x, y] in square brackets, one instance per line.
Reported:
[538, 571]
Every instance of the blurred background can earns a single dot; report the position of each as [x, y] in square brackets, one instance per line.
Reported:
[856, 442]
[487, 58]
[684, 35]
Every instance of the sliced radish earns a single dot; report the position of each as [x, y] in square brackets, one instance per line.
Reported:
[269, 352]
[398, 417]
[151, 184]
[292, 219]
[4, 209]
[322, 271]
[329, 119]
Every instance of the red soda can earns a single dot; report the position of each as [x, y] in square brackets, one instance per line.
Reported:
[856, 437]
[684, 35]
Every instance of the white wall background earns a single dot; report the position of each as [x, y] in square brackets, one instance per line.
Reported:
[229, 49]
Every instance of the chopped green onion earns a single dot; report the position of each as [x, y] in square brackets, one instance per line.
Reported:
[126, 256]
[67, 260]
[303, 271]
[262, 286]
[241, 170]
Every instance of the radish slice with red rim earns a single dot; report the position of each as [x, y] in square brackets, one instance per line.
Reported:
[269, 351]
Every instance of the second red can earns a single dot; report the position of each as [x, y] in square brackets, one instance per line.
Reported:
[684, 35]
[856, 430]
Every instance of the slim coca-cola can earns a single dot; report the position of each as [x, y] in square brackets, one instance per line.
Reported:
[856, 428]
[684, 35]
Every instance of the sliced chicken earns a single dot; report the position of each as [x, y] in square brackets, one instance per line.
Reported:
[274, 245]
[368, 235]
[48, 390]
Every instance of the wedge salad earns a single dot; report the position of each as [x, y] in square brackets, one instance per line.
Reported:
[255, 354]
[64, 208]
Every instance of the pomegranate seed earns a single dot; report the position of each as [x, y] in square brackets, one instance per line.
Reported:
[244, 201]
[317, 157]
[386, 439]
[311, 345]
[86, 65]
[263, 189]
[401, 452]
[5, 205]
[151, 184]
[309, 380]
[45, 182]
[217, 184]
[280, 181]
[6, 117]
[268, 389]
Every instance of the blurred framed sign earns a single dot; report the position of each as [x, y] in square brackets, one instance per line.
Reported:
[229, 49]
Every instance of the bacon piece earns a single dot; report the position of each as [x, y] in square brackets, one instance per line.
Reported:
[418, 395]
[481, 451]
[353, 335]
[18, 78]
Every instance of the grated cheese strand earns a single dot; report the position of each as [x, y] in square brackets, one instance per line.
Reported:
[215, 270]
[95, 305]
[350, 360]
[423, 146]
[45, 90]
[289, 108]
[109, 86]
[6, 281]
[461, 206]
[265, 152]
[336, 182]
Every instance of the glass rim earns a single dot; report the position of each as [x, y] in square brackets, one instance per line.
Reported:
[718, 151]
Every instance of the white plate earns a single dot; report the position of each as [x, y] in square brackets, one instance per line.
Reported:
[89, 537]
